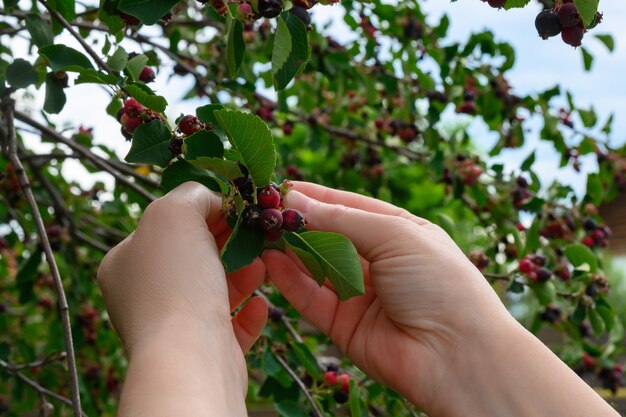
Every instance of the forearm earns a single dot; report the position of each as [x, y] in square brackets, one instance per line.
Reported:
[183, 371]
[511, 373]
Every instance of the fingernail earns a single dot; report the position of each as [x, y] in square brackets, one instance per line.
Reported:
[299, 201]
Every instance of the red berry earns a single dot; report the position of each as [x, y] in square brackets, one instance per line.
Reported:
[330, 378]
[245, 12]
[526, 266]
[269, 197]
[344, 381]
[190, 124]
[589, 242]
[147, 75]
[271, 219]
[292, 220]
[573, 36]
[133, 108]
[130, 123]
[274, 235]
[568, 15]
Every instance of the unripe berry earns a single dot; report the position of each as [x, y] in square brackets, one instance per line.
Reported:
[130, 123]
[330, 378]
[292, 220]
[245, 12]
[568, 15]
[548, 24]
[269, 197]
[147, 75]
[190, 124]
[133, 108]
[589, 242]
[573, 36]
[344, 381]
[526, 266]
[271, 219]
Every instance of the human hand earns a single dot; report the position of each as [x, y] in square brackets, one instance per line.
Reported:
[169, 300]
[429, 325]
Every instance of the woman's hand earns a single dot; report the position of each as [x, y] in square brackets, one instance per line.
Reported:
[429, 325]
[169, 300]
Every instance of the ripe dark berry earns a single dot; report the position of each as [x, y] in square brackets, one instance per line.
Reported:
[271, 220]
[276, 313]
[252, 215]
[496, 4]
[269, 197]
[176, 147]
[590, 224]
[190, 124]
[302, 14]
[573, 36]
[274, 235]
[292, 220]
[548, 24]
[332, 367]
[133, 108]
[543, 274]
[521, 182]
[270, 8]
[147, 75]
[592, 289]
[568, 15]
[340, 397]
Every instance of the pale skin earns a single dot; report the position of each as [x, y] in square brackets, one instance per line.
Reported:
[456, 350]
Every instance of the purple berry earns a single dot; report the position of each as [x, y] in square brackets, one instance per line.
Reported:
[271, 220]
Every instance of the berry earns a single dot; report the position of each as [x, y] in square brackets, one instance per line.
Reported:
[271, 220]
[548, 24]
[590, 224]
[496, 4]
[543, 274]
[292, 220]
[252, 215]
[276, 313]
[592, 289]
[573, 36]
[274, 235]
[176, 147]
[340, 397]
[332, 367]
[130, 20]
[526, 266]
[245, 12]
[589, 242]
[330, 378]
[133, 108]
[521, 182]
[269, 197]
[270, 8]
[130, 123]
[344, 381]
[190, 124]
[568, 15]
[302, 14]
[147, 75]
[288, 128]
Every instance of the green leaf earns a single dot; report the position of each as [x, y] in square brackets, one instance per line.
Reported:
[135, 65]
[338, 258]
[291, 49]
[512, 4]
[243, 246]
[20, 73]
[182, 171]
[236, 47]
[595, 190]
[358, 408]
[290, 409]
[26, 277]
[151, 144]
[252, 139]
[39, 29]
[119, 60]
[93, 76]
[608, 41]
[579, 254]
[224, 168]
[148, 11]
[597, 324]
[587, 10]
[587, 59]
[64, 58]
[545, 292]
[55, 95]
[307, 257]
[307, 360]
[579, 314]
[204, 143]
[143, 94]
[528, 162]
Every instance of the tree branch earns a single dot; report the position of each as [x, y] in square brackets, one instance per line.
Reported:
[8, 105]
[316, 410]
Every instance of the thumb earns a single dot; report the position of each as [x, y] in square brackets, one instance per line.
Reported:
[373, 234]
[193, 197]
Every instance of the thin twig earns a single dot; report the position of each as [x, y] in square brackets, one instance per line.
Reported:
[8, 106]
[316, 410]
[285, 320]
[41, 362]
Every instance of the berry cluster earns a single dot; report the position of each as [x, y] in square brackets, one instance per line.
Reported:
[340, 382]
[564, 19]
[268, 213]
[596, 235]
[533, 267]
[250, 11]
[132, 115]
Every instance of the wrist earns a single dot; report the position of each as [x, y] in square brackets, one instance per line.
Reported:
[181, 359]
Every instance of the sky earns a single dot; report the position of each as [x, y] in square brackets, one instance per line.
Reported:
[540, 64]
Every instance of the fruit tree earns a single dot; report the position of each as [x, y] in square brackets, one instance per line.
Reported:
[282, 98]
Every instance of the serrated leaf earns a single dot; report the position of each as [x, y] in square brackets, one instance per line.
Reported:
[55, 95]
[135, 65]
[150, 144]
[64, 58]
[222, 167]
[587, 10]
[203, 143]
[143, 94]
[252, 139]
[291, 50]
[119, 60]
[307, 257]
[243, 246]
[182, 171]
[338, 258]
[579, 254]
[39, 29]
[148, 11]
[236, 47]
[20, 73]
